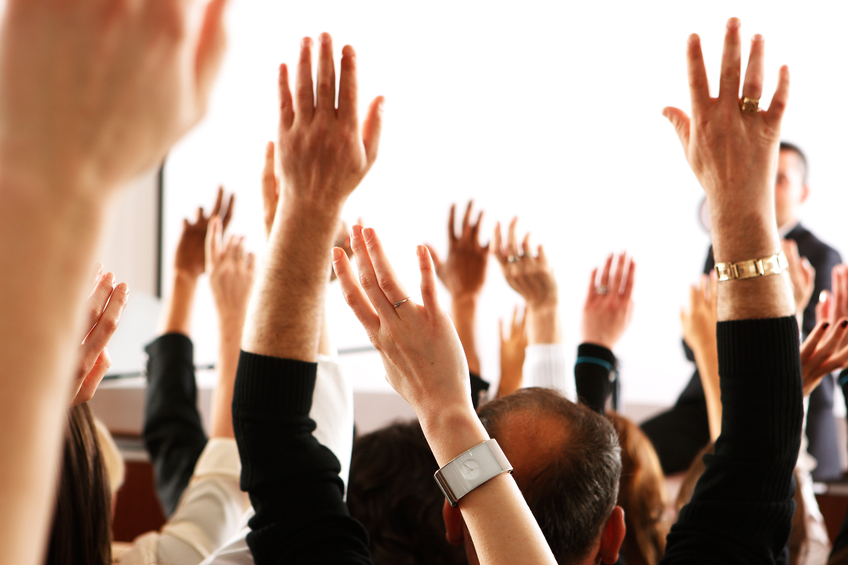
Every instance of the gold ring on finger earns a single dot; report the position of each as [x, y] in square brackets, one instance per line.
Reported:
[750, 105]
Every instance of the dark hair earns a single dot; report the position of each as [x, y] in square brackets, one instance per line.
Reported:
[642, 494]
[786, 146]
[574, 490]
[82, 531]
[393, 494]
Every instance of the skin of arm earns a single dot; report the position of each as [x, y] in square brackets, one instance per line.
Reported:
[463, 273]
[64, 153]
[323, 158]
[532, 278]
[699, 332]
[231, 273]
[426, 365]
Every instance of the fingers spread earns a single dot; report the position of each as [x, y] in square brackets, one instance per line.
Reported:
[368, 276]
[96, 302]
[452, 224]
[285, 97]
[774, 116]
[348, 111]
[304, 103]
[326, 89]
[466, 221]
[606, 272]
[628, 286]
[681, 123]
[753, 86]
[429, 295]
[372, 128]
[731, 64]
[512, 240]
[699, 88]
[386, 278]
[229, 213]
[619, 273]
[591, 294]
[214, 243]
[352, 292]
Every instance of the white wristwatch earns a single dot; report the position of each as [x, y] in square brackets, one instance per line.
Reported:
[471, 469]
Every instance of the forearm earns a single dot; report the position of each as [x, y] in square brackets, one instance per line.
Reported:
[176, 316]
[46, 259]
[228, 356]
[543, 324]
[285, 313]
[463, 314]
[706, 359]
[502, 527]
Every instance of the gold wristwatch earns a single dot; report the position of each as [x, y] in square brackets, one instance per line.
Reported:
[772, 265]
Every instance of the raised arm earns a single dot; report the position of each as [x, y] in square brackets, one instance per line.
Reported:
[532, 277]
[607, 310]
[91, 96]
[323, 156]
[742, 507]
[425, 364]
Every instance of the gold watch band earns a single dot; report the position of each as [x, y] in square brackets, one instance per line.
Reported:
[772, 265]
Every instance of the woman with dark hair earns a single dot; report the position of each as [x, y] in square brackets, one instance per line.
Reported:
[642, 494]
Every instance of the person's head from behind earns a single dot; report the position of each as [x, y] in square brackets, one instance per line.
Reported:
[791, 188]
[642, 494]
[392, 493]
[566, 462]
[81, 531]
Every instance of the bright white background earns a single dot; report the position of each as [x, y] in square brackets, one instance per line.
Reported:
[546, 110]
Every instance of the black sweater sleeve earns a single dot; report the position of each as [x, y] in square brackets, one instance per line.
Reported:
[173, 431]
[742, 507]
[592, 372]
[293, 481]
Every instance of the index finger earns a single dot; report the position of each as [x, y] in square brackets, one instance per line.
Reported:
[451, 224]
[699, 88]
[466, 220]
[229, 213]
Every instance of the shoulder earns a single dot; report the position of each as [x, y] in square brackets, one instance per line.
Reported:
[814, 249]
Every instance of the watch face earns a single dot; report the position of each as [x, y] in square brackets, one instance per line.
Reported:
[471, 469]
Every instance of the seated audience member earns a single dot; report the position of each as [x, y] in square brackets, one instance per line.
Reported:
[679, 433]
[64, 153]
[741, 509]
[532, 277]
[208, 502]
[300, 513]
[463, 272]
[393, 494]
[81, 530]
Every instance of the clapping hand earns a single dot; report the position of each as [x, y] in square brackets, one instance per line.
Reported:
[463, 271]
[189, 259]
[608, 307]
[104, 307]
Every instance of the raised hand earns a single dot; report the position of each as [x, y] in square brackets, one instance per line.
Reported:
[608, 306]
[833, 305]
[231, 273]
[825, 350]
[802, 274]
[513, 351]
[189, 258]
[463, 272]
[732, 148]
[101, 93]
[323, 153]
[529, 275]
[270, 188]
[103, 308]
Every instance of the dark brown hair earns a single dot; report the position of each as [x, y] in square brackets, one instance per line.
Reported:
[641, 494]
[574, 491]
[393, 494]
[82, 531]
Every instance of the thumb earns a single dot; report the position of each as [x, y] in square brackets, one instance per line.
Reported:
[680, 121]
[371, 129]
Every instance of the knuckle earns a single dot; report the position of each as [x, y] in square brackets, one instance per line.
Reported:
[109, 324]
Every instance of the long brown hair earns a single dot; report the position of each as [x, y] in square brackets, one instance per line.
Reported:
[641, 494]
[82, 531]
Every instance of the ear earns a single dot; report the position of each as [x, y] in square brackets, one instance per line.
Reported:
[612, 536]
[454, 524]
[805, 192]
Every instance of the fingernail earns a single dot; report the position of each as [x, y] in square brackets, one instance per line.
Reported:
[757, 37]
[825, 325]
[306, 42]
[356, 232]
[844, 324]
[733, 24]
[109, 277]
[325, 38]
[337, 254]
[823, 296]
[368, 233]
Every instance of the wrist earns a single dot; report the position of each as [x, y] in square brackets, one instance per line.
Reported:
[185, 279]
[452, 431]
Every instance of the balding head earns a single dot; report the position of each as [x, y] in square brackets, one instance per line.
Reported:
[566, 462]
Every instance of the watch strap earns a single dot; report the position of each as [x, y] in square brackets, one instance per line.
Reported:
[471, 469]
[772, 265]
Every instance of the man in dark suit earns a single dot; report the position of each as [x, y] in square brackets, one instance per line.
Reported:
[681, 432]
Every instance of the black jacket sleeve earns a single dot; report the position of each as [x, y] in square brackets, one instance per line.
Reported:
[742, 507]
[293, 481]
[173, 431]
[592, 371]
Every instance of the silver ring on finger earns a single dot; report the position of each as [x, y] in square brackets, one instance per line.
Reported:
[601, 289]
[396, 304]
[513, 258]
